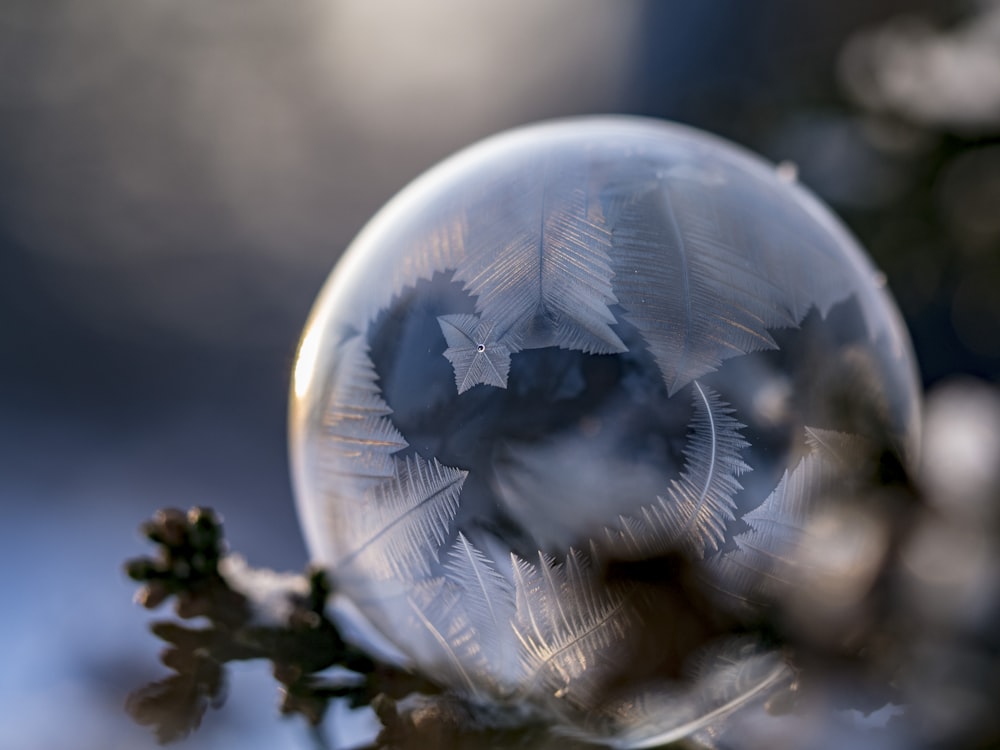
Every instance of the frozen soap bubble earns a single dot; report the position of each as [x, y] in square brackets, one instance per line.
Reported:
[573, 345]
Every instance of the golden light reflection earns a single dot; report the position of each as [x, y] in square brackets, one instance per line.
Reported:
[305, 362]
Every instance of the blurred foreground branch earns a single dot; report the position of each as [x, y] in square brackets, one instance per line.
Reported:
[903, 652]
[251, 615]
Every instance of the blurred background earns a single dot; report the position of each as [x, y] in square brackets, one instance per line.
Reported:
[178, 177]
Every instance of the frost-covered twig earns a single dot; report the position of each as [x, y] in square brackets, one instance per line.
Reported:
[251, 614]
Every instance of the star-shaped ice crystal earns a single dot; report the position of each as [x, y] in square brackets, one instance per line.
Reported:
[474, 352]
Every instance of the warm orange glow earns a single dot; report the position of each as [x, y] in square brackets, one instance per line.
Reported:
[305, 363]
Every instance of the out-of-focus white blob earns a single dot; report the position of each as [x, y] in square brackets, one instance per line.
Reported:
[835, 570]
[482, 63]
[961, 449]
[942, 79]
[949, 570]
[186, 165]
[268, 593]
[953, 574]
[877, 719]
[772, 401]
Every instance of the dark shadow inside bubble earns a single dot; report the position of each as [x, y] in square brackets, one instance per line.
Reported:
[825, 374]
[577, 439]
[572, 437]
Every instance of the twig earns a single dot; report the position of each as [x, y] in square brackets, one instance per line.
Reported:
[187, 568]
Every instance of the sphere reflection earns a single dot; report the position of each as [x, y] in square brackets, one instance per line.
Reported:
[576, 345]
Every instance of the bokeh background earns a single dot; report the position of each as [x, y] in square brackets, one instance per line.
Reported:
[177, 178]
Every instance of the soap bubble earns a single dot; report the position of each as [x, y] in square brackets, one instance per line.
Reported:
[580, 346]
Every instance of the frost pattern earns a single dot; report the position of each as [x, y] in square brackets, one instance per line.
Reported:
[705, 265]
[466, 621]
[444, 636]
[488, 600]
[726, 677]
[539, 264]
[764, 560]
[725, 273]
[535, 254]
[570, 627]
[546, 252]
[693, 514]
[358, 436]
[436, 245]
[474, 351]
[399, 528]
[548, 631]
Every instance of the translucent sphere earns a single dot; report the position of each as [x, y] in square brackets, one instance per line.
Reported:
[574, 345]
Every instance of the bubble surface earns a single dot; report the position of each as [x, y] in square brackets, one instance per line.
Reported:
[572, 347]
